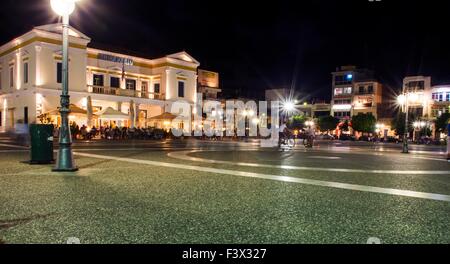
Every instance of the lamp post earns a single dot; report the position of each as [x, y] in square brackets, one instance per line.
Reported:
[65, 161]
[403, 100]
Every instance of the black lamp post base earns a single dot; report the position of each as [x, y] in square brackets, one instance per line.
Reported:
[65, 162]
[65, 170]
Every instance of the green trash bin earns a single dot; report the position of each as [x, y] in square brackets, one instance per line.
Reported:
[41, 144]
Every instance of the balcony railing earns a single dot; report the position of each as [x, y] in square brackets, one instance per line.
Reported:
[123, 92]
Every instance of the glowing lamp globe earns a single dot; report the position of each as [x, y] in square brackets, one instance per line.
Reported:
[289, 106]
[63, 7]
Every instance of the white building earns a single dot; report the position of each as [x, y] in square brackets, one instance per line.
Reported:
[420, 86]
[440, 96]
[30, 78]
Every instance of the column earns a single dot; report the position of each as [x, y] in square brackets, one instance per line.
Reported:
[119, 108]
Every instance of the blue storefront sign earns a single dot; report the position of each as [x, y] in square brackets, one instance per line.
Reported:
[107, 57]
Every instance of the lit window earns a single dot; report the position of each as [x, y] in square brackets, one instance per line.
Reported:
[98, 80]
[348, 90]
[448, 97]
[130, 84]
[338, 91]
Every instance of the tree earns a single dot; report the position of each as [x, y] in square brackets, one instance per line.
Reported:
[297, 122]
[328, 123]
[364, 123]
[442, 123]
[398, 124]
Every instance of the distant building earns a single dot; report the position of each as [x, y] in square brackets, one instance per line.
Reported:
[421, 86]
[440, 100]
[354, 91]
[208, 84]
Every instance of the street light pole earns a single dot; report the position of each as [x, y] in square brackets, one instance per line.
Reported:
[405, 136]
[65, 161]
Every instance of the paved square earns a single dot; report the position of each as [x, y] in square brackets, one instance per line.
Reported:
[224, 192]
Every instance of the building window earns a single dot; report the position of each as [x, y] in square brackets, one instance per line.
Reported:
[343, 79]
[157, 88]
[415, 86]
[25, 115]
[342, 102]
[338, 91]
[98, 80]
[448, 97]
[25, 72]
[441, 97]
[370, 89]
[130, 84]
[342, 114]
[434, 96]
[180, 89]
[115, 82]
[59, 72]
[361, 89]
[11, 77]
[144, 87]
[348, 90]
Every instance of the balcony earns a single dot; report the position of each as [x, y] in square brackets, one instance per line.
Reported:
[123, 92]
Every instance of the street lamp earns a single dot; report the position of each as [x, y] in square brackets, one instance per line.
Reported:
[65, 161]
[309, 123]
[404, 100]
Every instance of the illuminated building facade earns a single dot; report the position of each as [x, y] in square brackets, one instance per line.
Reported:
[30, 79]
[354, 91]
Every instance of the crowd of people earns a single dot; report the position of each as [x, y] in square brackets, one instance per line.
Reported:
[113, 133]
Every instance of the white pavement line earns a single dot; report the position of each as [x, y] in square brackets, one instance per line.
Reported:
[323, 157]
[183, 155]
[345, 186]
[13, 146]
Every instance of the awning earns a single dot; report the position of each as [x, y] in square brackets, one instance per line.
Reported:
[74, 110]
[110, 113]
[163, 117]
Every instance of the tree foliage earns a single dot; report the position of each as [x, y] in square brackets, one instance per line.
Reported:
[364, 123]
[398, 123]
[297, 122]
[327, 123]
[442, 122]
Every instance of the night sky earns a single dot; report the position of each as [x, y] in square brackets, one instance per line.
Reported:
[256, 45]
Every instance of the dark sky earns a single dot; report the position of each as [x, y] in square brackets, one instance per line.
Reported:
[257, 45]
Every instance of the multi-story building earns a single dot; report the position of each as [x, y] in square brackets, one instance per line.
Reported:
[367, 97]
[354, 91]
[420, 86]
[31, 75]
[440, 96]
[208, 84]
